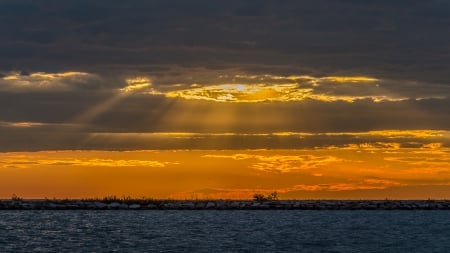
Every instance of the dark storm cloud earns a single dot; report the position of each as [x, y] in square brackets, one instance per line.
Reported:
[395, 39]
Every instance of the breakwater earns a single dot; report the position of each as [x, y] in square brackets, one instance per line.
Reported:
[225, 205]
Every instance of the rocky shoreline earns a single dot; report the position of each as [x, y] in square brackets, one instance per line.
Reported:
[225, 205]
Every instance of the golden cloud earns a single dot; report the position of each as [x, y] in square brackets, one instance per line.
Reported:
[366, 184]
[251, 93]
[311, 79]
[434, 162]
[137, 83]
[349, 79]
[283, 163]
[388, 134]
[243, 93]
[43, 80]
[269, 89]
[42, 76]
[22, 124]
[26, 162]
[407, 133]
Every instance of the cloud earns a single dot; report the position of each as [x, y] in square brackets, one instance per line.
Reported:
[383, 39]
[243, 93]
[29, 162]
[366, 184]
[246, 89]
[436, 161]
[273, 88]
[21, 124]
[41, 81]
[138, 83]
[23, 136]
[283, 163]
[393, 134]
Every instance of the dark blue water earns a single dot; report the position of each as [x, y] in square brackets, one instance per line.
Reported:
[224, 231]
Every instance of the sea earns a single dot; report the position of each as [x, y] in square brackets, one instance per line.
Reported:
[224, 231]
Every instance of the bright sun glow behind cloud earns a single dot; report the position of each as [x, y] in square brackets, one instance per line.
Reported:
[291, 88]
[243, 93]
[138, 83]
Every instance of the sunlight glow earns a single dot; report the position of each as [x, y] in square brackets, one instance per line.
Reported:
[43, 75]
[44, 80]
[138, 83]
[349, 79]
[22, 124]
[285, 89]
[242, 93]
[251, 93]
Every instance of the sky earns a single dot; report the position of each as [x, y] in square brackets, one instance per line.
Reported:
[343, 99]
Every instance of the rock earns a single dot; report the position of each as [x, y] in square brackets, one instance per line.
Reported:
[169, 206]
[200, 205]
[234, 205]
[210, 205]
[256, 204]
[114, 205]
[27, 206]
[220, 205]
[134, 206]
[243, 205]
[100, 205]
[152, 206]
[187, 205]
[72, 206]
[56, 206]
[81, 204]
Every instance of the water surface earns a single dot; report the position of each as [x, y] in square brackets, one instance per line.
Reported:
[224, 231]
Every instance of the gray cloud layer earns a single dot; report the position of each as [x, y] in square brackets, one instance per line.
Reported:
[390, 39]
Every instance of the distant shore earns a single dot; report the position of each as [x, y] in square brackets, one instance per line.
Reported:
[224, 205]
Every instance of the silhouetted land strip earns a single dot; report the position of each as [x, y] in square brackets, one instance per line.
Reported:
[146, 204]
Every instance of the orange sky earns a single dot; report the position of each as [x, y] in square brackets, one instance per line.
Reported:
[352, 172]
